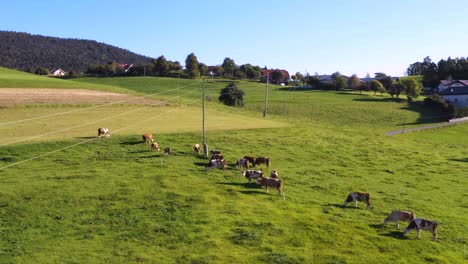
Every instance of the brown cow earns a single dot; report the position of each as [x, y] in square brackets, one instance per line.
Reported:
[358, 196]
[155, 146]
[263, 160]
[196, 149]
[250, 159]
[272, 183]
[102, 131]
[397, 216]
[148, 138]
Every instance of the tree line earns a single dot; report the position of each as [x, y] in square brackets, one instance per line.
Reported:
[449, 69]
[27, 52]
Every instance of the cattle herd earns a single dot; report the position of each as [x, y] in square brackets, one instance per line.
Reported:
[217, 161]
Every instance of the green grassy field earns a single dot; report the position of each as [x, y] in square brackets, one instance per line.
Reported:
[116, 201]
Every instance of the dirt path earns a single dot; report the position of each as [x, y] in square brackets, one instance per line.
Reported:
[16, 96]
[391, 133]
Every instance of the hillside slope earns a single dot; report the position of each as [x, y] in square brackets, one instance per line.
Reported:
[25, 51]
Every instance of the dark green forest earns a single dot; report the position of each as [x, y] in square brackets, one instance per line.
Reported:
[28, 52]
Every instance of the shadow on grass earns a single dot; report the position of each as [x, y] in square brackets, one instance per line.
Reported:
[343, 207]
[200, 164]
[131, 143]
[151, 156]
[378, 100]
[251, 185]
[396, 234]
[256, 192]
[376, 226]
[460, 160]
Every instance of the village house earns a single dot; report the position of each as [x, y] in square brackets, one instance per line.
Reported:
[58, 72]
[454, 92]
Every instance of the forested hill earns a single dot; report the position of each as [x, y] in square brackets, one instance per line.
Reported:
[27, 52]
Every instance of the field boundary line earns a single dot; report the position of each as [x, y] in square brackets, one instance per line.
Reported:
[92, 107]
[89, 123]
[91, 139]
[392, 133]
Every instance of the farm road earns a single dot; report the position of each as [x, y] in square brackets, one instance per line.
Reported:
[391, 133]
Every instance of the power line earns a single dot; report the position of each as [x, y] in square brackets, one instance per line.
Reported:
[89, 123]
[93, 107]
[88, 140]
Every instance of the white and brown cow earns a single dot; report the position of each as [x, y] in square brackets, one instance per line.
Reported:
[148, 138]
[272, 183]
[274, 174]
[196, 149]
[216, 163]
[397, 216]
[419, 224]
[358, 196]
[155, 146]
[103, 131]
[252, 174]
[243, 163]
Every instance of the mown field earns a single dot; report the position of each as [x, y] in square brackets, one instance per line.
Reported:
[116, 201]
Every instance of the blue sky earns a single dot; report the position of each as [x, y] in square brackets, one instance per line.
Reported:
[359, 36]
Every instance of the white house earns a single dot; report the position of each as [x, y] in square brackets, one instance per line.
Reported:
[58, 72]
[456, 95]
[444, 84]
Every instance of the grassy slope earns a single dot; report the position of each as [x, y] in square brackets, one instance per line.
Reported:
[16, 79]
[114, 201]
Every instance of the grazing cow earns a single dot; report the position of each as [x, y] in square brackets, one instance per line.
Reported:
[215, 163]
[155, 146]
[263, 160]
[103, 132]
[167, 151]
[250, 159]
[216, 154]
[252, 174]
[196, 149]
[271, 183]
[422, 224]
[397, 216]
[243, 163]
[358, 196]
[274, 175]
[148, 138]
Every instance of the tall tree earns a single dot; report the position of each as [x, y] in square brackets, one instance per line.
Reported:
[232, 96]
[412, 86]
[191, 66]
[202, 68]
[338, 81]
[229, 66]
[377, 86]
[276, 76]
[355, 83]
[161, 66]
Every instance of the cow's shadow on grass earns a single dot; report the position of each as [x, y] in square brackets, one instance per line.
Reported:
[396, 234]
[131, 143]
[343, 207]
[247, 185]
[200, 164]
[460, 160]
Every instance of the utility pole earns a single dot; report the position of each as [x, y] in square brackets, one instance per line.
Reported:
[205, 147]
[178, 86]
[266, 95]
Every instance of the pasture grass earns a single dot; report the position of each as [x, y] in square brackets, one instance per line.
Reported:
[10, 78]
[116, 201]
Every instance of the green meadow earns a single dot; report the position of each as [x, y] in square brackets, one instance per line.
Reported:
[113, 200]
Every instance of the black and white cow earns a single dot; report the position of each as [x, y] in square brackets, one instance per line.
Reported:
[419, 224]
[216, 163]
[252, 174]
[103, 131]
[358, 196]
